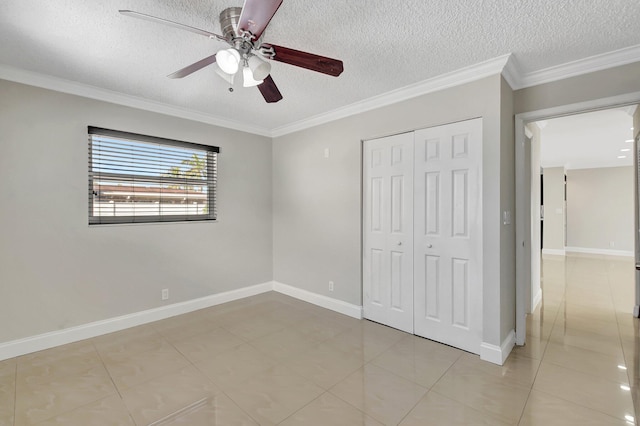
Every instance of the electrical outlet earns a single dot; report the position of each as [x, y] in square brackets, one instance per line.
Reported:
[612, 243]
[330, 285]
[165, 293]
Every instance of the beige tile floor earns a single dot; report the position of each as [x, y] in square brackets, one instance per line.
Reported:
[273, 360]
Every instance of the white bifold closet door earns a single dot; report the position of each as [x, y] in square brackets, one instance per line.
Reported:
[447, 244]
[388, 221]
[446, 227]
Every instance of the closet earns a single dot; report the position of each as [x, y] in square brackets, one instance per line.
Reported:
[422, 233]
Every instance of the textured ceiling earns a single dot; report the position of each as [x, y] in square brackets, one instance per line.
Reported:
[593, 139]
[384, 46]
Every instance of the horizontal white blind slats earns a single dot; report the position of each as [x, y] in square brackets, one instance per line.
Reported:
[137, 178]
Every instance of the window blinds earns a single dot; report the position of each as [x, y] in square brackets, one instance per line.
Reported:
[136, 178]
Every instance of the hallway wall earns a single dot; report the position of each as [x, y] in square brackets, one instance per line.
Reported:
[600, 209]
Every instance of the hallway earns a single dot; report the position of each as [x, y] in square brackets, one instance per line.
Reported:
[586, 338]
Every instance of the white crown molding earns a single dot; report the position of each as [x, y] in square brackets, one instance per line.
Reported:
[506, 65]
[595, 63]
[444, 81]
[74, 88]
[511, 72]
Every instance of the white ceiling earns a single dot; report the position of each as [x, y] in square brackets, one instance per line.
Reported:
[384, 45]
[589, 140]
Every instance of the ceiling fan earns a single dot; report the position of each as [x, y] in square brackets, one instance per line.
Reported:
[242, 29]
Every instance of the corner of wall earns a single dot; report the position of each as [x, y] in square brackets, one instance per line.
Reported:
[498, 354]
[507, 208]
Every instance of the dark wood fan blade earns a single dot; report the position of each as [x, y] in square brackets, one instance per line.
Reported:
[157, 20]
[269, 90]
[190, 69]
[329, 66]
[256, 15]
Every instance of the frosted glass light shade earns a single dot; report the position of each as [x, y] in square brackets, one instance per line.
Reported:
[226, 77]
[247, 78]
[259, 67]
[228, 60]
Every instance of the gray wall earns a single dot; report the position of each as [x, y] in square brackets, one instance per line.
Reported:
[600, 208]
[57, 272]
[317, 200]
[597, 85]
[52, 267]
[553, 193]
[636, 122]
[507, 203]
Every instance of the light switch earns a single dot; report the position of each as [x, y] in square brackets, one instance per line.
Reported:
[506, 217]
[326, 153]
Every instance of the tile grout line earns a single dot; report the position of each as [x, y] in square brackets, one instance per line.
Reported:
[634, 397]
[306, 405]
[248, 342]
[542, 358]
[580, 405]
[72, 409]
[535, 377]
[104, 365]
[430, 389]
[211, 380]
[15, 392]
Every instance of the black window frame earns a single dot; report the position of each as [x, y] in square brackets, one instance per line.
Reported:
[209, 152]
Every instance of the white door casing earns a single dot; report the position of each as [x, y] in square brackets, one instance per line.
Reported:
[448, 234]
[388, 231]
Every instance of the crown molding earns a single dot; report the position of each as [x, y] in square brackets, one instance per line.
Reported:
[74, 88]
[506, 65]
[444, 81]
[511, 72]
[594, 63]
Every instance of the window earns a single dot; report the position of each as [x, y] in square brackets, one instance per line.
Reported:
[136, 178]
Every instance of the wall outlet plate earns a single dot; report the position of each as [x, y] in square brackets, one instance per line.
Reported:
[165, 293]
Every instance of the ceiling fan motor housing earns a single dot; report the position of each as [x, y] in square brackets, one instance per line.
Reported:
[229, 22]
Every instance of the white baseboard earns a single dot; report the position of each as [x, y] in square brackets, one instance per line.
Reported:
[498, 354]
[554, 252]
[598, 251]
[86, 331]
[336, 305]
[536, 299]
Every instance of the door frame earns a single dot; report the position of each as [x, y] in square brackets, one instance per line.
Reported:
[523, 242]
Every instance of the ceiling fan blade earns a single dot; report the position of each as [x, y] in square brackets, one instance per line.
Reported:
[269, 90]
[157, 20]
[190, 69]
[256, 15]
[329, 66]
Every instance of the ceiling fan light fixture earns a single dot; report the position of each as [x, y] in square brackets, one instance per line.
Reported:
[228, 60]
[248, 79]
[259, 67]
[225, 76]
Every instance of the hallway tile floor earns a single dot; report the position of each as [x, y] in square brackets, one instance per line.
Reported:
[274, 360]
